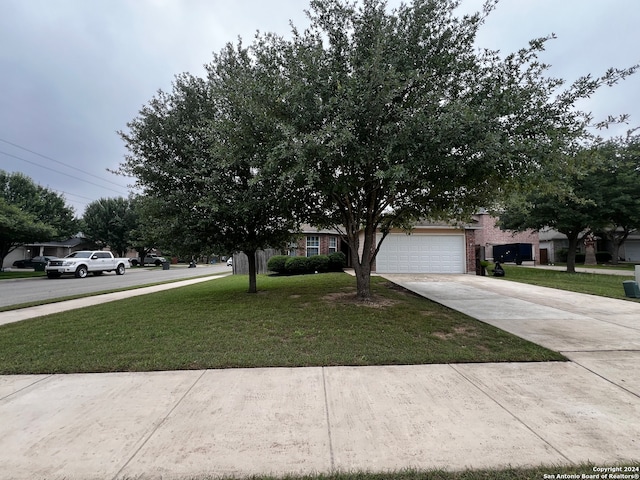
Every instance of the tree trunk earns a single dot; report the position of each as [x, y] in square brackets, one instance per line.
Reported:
[571, 253]
[615, 256]
[363, 280]
[362, 263]
[251, 257]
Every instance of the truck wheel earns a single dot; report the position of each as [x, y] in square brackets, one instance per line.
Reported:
[98, 273]
[120, 269]
[81, 271]
[53, 275]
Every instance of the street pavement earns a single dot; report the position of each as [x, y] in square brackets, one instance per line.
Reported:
[188, 424]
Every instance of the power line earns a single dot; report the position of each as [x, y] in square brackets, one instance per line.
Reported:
[56, 161]
[62, 173]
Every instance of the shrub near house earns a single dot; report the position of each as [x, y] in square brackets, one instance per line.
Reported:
[285, 265]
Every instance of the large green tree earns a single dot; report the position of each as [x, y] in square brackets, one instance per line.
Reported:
[31, 213]
[396, 116]
[18, 227]
[616, 186]
[565, 209]
[202, 154]
[109, 223]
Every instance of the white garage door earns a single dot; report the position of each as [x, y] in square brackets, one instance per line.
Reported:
[416, 253]
[632, 250]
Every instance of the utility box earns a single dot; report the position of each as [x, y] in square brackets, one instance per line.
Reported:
[631, 289]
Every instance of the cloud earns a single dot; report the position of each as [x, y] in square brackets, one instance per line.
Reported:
[75, 71]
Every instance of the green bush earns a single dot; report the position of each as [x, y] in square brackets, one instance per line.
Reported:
[601, 257]
[337, 261]
[319, 263]
[277, 263]
[298, 265]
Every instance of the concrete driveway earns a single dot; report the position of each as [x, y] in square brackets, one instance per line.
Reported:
[307, 420]
[601, 334]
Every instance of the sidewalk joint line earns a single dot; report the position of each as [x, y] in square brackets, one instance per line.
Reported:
[159, 424]
[512, 414]
[326, 409]
[606, 379]
[26, 387]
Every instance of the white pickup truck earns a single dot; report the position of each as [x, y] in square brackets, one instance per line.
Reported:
[83, 262]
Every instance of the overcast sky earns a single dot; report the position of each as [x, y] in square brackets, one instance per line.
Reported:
[74, 72]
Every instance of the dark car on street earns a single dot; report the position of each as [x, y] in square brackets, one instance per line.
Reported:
[33, 262]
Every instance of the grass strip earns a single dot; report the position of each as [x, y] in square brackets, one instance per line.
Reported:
[294, 321]
[592, 283]
[586, 470]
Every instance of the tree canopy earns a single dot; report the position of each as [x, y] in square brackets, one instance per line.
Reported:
[31, 213]
[367, 121]
[600, 194]
[616, 186]
[202, 153]
[397, 116]
[109, 222]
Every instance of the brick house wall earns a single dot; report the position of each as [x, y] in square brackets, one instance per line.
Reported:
[470, 247]
[325, 243]
[488, 234]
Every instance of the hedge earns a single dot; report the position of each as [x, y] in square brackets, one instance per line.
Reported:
[298, 265]
[285, 265]
[277, 263]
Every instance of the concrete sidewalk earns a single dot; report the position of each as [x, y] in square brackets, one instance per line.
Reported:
[309, 420]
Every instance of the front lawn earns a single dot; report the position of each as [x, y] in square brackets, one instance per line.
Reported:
[294, 321]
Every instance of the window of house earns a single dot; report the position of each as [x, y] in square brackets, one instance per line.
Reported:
[333, 244]
[313, 246]
[293, 249]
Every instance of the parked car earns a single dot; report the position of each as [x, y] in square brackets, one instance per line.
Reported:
[230, 262]
[150, 259]
[81, 263]
[33, 262]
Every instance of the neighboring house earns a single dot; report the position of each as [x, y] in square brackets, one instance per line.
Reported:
[552, 243]
[50, 249]
[630, 249]
[489, 235]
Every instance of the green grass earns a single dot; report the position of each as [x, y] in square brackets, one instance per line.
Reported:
[294, 321]
[22, 273]
[535, 473]
[592, 283]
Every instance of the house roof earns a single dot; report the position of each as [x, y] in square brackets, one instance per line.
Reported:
[71, 242]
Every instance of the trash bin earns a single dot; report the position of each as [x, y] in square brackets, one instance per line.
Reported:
[165, 265]
[631, 289]
[38, 267]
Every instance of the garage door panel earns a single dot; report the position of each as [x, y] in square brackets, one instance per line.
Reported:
[402, 253]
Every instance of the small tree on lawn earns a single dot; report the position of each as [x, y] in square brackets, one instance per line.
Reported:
[564, 211]
[617, 185]
[201, 153]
